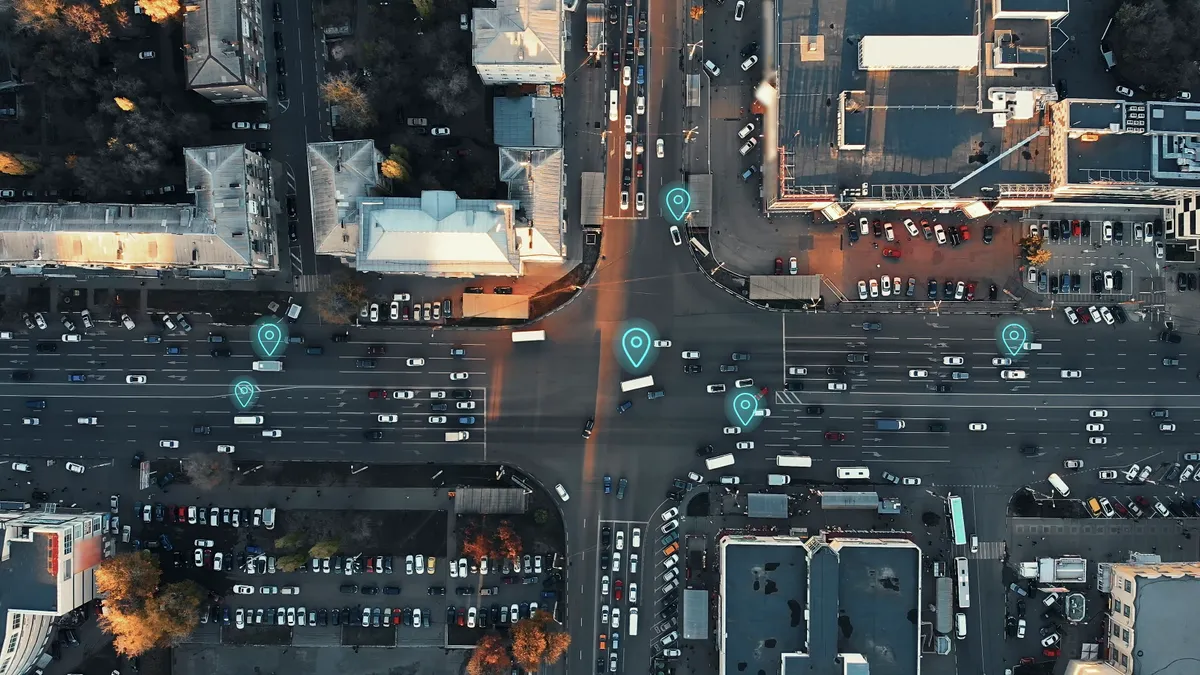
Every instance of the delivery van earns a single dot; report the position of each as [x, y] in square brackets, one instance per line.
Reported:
[853, 473]
[457, 435]
[889, 425]
[247, 419]
[612, 105]
[1059, 485]
[778, 479]
[714, 463]
[960, 625]
[633, 620]
[268, 366]
[800, 461]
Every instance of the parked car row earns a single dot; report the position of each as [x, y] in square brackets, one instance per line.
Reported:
[413, 617]
[1103, 281]
[496, 615]
[1110, 230]
[527, 564]
[402, 308]
[39, 320]
[1095, 313]
[953, 235]
[212, 516]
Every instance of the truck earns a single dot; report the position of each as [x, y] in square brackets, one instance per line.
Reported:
[889, 425]
[1065, 570]
[457, 435]
[778, 479]
[944, 592]
[595, 29]
[714, 463]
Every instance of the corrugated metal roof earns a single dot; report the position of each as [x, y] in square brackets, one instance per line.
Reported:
[918, 52]
[700, 188]
[213, 32]
[438, 234]
[528, 122]
[785, 287]
[695, 614]
[761, 505]
[591, 198]
[493, 306]
[340, 172]
[849, 500]
[535, 180]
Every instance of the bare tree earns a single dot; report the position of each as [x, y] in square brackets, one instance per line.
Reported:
[342, 90]
[208, 471]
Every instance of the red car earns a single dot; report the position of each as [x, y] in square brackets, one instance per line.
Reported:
[971, 290]
[1076, 230]
[762, 393]
[378, 393]
[618, 586]
[966, 233]
[462, 617]
[891, 253]
[181, 514]
[1083, 315]
[639, 170]
[370, 564]
[834, 436]
[397, 617]
[1052, 653]
[779, 266]
[405, 313]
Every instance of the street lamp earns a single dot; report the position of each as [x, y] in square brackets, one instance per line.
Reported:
[692, 49]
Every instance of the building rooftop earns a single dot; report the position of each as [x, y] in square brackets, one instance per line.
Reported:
[860, 597]
[762, 505]
[438, 234]
[528, 122]
[518, 33]
[1124, 143]
[211, 30]
[26, 583]
[231, 188]
[1164, 642]
[535, 180]
[339, 172]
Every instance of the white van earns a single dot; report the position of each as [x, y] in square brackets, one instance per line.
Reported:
[714, 463]
[293, 312]
[247, 419]
[778, 479]
[793, 460]
[268, 518]
[612, 105]
[853, 473]
[1059, 485]
[960, 625]
[633, 620]
[268, 366]
[460, 436]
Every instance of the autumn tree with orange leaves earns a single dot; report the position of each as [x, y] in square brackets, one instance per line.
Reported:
[538, 640]
[476, 544]
[508, 544]
[139, 613]
[490, 657]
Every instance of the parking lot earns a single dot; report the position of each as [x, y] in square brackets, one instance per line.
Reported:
[1104, 260]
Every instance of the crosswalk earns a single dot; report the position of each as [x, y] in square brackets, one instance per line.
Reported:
[988, 550]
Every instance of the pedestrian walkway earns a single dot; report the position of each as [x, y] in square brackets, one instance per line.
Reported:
[307, 283]
[989, 550]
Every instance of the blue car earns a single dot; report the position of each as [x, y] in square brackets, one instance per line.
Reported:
[624, 406]
[78, 377]
[165, 541]
[852, 232]
[466, 420]
[608, 485]
[174, 350]
[641, 76]
[153, 339]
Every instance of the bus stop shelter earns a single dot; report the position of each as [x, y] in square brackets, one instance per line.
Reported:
[494, 306]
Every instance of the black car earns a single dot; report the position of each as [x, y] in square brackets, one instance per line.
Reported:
[988, 232]
[948, 290]
[462, 394]
[365, 364]
[1168, 336]
[615, 58]
[281, 66]
[877, 229]
[502, 290]
[1118, 231]
[814, 410]
[220, 353]
[1064, 283]
[932, 289]
[749, 50]
[376, 350]
[937, 427]
[341, 337]
[1054, 230]
[1118, 313]
[1191, 281]
[277, 11]
[1076, 282]
[202, 429]
[944, 387]
[993, 292]
[614, 14]
[1158, 227]
[47, 347]
[626, 177]
[692, 368]
[281, 89]
[291, 206]
[705, 450]
[792, 385]
[373, 435]
[369, 590]
[1085, 228]
[835, 370]
[588, 426]
[22, 375]
[293, 232]
[278, 40]
[438, 407]
[851, 230]
[436, 590]
[1118, 280]
[1098, 282]
[1054, 283]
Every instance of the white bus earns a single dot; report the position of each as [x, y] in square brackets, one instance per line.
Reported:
[638, 383]
[528, 335]
[964, 583]
[793, 460]
[714, 463]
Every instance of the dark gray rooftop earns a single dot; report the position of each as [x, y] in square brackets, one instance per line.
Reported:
[1163, 644]
[879, 600]
[1179, 118]
[1095, 114]
[760, 505]
[766, 589]
[25, 583]
[1033, 5]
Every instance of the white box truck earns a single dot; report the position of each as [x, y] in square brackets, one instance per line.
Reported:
[800, 461]
[457, 435]
[714, 463]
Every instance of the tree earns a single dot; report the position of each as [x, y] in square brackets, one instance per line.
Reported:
[490, 656]
[86, 20]
[448, 89]
[476, 545]
[326, 548]
[1039, 258]
[290, 541]
[333, 12]
[538, 640]
[339, 303]
[140, 615]
[696, 12]
[207, 471]
[160, 11]
[342, 90]
[396, 166]
[15, 164]
[38, 15]
[124, 103]
[291, 563]
[508, 544]
[541, 517]
[424, 8]
[1154, 44]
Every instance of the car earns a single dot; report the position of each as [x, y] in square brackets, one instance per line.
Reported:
[862, 289]
[749, 145]
[135, 379]
[939, 233]
[715, 388]
[1016, 374]
[1187, 472]
[750, 61]
[918, 373]
[1070, 374]
[168, 444]
[562, 492]
[461, 375]
[977, 426]
[660, 150]
[1144, 475]
[729, 431]
[886, 285]
[835, 436]
[1166, 426]
[953, 360]
[272, 433]
[414, 362]
[1127, 93]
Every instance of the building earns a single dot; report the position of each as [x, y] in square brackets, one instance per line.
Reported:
[224, 50]
[339, 173]
[1146, 633]
[440, 235]
[47, 567]
[787, 605]
[227, 233]
[519, 42]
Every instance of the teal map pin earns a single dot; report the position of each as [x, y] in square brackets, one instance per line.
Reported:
[635, 343]
[244, 393]
[678, 201]
[268, 337]
[1014, 337]
[744, 407]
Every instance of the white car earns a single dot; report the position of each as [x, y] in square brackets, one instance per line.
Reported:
[862, 290]
[437, 419]
[939, 233]
[886, 283]
[917, 373]
[628, 149]
[604, 615]
[695, 477]
[1001, 361]
[1070, 374]
[1095, 314]
[952, 360]
[414, 363]
[1108, 474]
[1107, 316]
[1096, 427]
[272, 433]
[739, 10]
[1097, 414]
[636, 538]
[459, 376]
[135, 379]
[627, 76]
[910, 480]
[243, 589]
[374, 312]
[911, 227]
[669, 514]
[641, 105]
[408, 394]
[562, 492]
[977, 426]
[72, 337]
[888, 233]
[639, 201]
[691, 355]
[616, 617]
[204, 543]
[628, 118]
[168, 444]
[874, 287]
[471, 614]
[1145, 474]
[633, 591]
[619, 542]
[676, 237]
[659, 344]
[1012, 374]
[836, 386]
[659, 149]
[745, 445]
[86, 420]
[408, 564]
[225, 449]
[749, 62]
[729, 431]
[1132, 474]
[1160, 251]
[388, 419]
[616, 562]
[31, 421]
[1097, 440]
[394, 311]
[1070, 312]
[465, 405]
[74, 468]
[603, 585]
[1166, 426]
